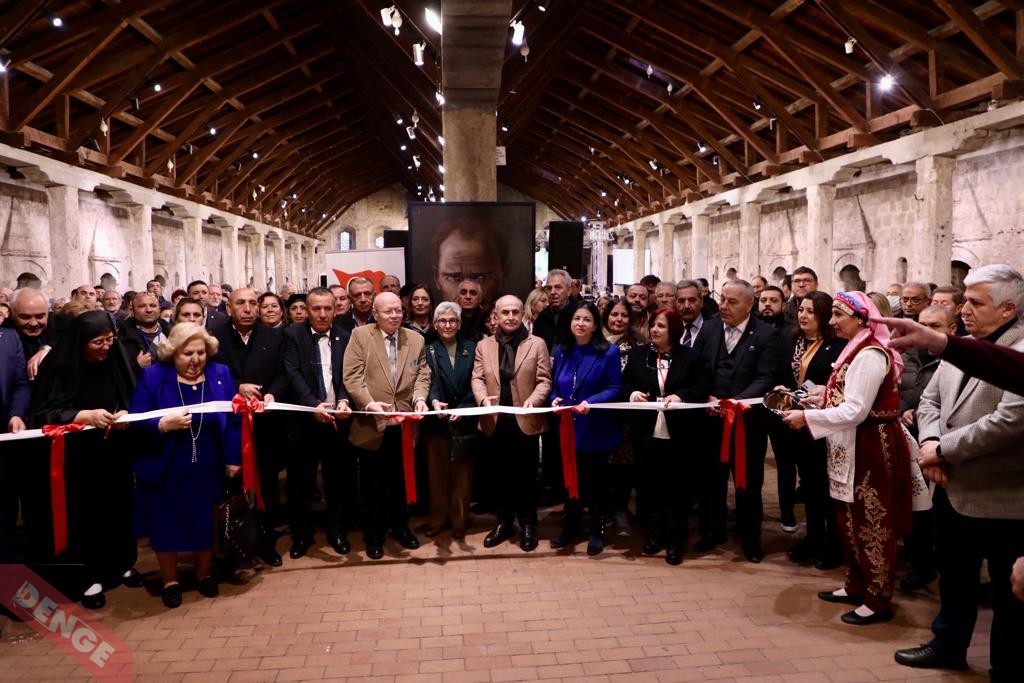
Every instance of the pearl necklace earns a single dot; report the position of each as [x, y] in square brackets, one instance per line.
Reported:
[194, 434]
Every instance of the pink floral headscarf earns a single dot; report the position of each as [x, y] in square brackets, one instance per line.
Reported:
[860, 305]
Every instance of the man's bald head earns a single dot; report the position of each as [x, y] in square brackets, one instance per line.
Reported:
[387, 311]
[243, 305]
[30, 310]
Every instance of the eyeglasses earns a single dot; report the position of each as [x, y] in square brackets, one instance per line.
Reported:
[446, 321]
[912, 299]
[100, 343]
[390, 311]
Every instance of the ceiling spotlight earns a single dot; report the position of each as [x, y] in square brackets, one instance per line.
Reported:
[542, 8]
[440, 168]
[419, 187]
[411, 132]
[408, 168]
[294, 196]
[439, 97]
[157, 87]
[653, 164]
[650, 71]
[56, 21]
[512, 89]
[399, 121]
[701, 147]
[440, 140]
[433, 20]
[416, 160]
[669, 88]
[3, 66]
[887, 82]
[385, 15]
[255, 155]
[504, 129]
[441, 187]
[104, 127]
[848, 45]
[757, 105]
[403, 148]
[616, 202]
[417, 53]
[583, 219]
[603, 193]
[283, 203]
[518, 31]
[254, 195]
[170, 165]
[303, 209]
[593, 151]
[323, 215]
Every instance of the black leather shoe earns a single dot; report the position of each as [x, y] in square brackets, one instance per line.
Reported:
[340, 544]
[530, 539]
[134, 579]
[927, 657]
[595, 546]
[828, 561]
[171, 596]
[208, 587]
[829, 596]
[406, 538]
[708, 543]
[914, 581]
[375, 549]
[855, 619]
[499, 534]
[653, 546]
[674, 555]
[270, 556]
[299, 549]
[804, 551]
[753, 552]
[97, 601]
[567, 536]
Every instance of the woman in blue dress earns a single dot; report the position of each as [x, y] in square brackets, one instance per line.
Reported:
[181, 469]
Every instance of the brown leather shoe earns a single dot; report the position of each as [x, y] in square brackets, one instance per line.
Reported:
[458, 533]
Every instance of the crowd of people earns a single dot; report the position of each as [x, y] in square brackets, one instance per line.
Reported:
[880, 442]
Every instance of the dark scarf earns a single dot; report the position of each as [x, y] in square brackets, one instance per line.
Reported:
[508, 344]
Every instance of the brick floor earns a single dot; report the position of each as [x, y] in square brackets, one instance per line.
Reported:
[457, 612]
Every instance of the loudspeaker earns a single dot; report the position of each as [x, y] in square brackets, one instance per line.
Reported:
[396, 238]
[323, 280]
[565, 246]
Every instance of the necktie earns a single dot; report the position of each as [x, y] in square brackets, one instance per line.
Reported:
[731, 338]
[321, 386]
[393, 357]
[688, 335]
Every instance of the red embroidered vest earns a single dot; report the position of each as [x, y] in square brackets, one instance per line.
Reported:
[886, 407]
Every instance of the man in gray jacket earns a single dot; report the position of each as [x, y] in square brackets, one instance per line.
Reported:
[971, 447]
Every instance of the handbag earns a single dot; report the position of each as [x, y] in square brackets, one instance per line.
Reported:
[239, 525]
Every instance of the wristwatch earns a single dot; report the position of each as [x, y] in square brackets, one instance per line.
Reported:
[938, 452]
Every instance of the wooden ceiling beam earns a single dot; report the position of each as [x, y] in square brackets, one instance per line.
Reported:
[17, 17]
[982, 37]
[172, 100]
[170, 148]
[235, 153]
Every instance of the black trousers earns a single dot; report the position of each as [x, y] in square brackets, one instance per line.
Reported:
[961, 544]
[592, 476]
[271, 445]
[811, 459]
[784, 446]
[329, 450]
[383, 486]
[515, 466]
[10, 494]
[668, 476]
[715, 480]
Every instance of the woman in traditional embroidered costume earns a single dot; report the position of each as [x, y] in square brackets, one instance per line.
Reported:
[868, 457]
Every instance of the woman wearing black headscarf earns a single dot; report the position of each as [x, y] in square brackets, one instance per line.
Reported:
[86, 380]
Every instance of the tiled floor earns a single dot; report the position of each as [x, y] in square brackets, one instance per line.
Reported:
[458, 612]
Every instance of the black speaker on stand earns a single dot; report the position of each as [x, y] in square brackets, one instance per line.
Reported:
[565, 247]
[394, 239]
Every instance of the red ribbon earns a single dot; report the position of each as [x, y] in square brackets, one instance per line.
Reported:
[408, 455]
[567, 440]
[732, 421]
[58, 495]
[250, 475]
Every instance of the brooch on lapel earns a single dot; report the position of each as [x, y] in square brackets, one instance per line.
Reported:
[465, 353]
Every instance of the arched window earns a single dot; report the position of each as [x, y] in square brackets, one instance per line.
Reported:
[379, 242]
[346, 239]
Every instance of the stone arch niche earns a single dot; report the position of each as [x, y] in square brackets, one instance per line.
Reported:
[730, 273]
[958, 270]
[779, 273]
[902, 268]
[849, 275]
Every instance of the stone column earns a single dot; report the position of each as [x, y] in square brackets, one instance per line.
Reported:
[820, 224]
[750, 240]
[932, 241]
[279, 262]
[599, 257]
[259, 261]
[294, 261]
[195, 263]
[230, 254]
[700, 239]
[679, 263]
[140, 245]
[312, 264]
[639, 251]
[471, 174]
[69, 252]
[666, 262]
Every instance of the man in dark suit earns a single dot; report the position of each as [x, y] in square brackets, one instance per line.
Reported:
[142, 332]
[313, 354]
[805, 281]
[689, 302]
[252, 353]
[360, 297]
[14, 404]
[199, 290]
[742, 354]
[37, 328]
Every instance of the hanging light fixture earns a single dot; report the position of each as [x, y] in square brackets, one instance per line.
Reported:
[518, 33]
[439, 97]
[411, 132]
[417, 53]
[849, 45]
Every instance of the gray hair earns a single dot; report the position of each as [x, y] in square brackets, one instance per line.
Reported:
[182, 334]
[558, 272]
[687, 284]
[1005, 284]
[513, 297]
[359, 281]
[947, 315]
[747, 287]
[29, 292]
[448, 307]
[923, 286]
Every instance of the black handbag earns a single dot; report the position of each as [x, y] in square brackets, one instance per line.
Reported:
[240, 529]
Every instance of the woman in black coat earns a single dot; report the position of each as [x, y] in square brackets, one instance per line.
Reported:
[807, 356]
[668, 372]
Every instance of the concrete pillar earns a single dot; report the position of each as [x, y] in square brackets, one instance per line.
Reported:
[140, 245]
[599, 257]
[700, 240]
[679, 262]
[69, 252]
[666, 260]
[294, 261]
[471, 174]
[639, 252]
[195, 262]
[230, 254]
[259, 261]
[932, 240]
[279, 263]
[750, 240]
[820, 224]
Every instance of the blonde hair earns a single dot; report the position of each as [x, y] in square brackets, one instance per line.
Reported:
[530, 300]
[182, 334]
[76, 308]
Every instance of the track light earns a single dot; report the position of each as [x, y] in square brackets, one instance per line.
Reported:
[403, 148]
[294, 195]
[603, 193]
[135, 103]
[518, 32]
[411, 132]
[440, 140]
[439, 97]
[417, 53]
[213, 130]
[3, 66]
[757, 105]
[542, 8]
[433, 20]
[653, 164]
[170, 165]
[56, 21]
[157, 87]
[669, 88]
[504, 129]
[255, 155]
[849, 44]
[385, 15]
[771, 123]
[323, 215]
[701, 147]
[887, 82]
[399, 121]
[441, 187]
[416, 161]
[440, 168]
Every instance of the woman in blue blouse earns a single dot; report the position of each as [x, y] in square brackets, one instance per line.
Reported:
[587, 370]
